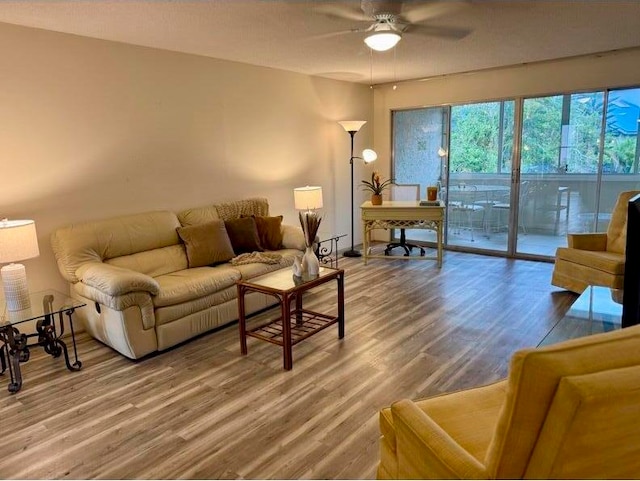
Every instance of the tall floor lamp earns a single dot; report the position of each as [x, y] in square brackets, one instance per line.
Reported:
[368, 155]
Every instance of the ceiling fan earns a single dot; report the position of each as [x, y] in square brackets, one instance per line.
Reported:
[388, 20]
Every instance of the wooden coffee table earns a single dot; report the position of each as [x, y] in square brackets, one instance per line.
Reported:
[299, 323]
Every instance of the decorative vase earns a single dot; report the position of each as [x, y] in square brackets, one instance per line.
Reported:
[310, 263]
[376, 199]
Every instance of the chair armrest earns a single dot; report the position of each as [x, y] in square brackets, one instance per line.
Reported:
[426, 451]
[593, 241]
[116, 281]
[292, 237]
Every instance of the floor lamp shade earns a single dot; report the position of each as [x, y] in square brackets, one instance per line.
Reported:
[18, 241]
[352, 125]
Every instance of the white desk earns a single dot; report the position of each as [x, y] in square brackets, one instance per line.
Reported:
[401, 214]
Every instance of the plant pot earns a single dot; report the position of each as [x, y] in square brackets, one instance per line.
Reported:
[376, 199]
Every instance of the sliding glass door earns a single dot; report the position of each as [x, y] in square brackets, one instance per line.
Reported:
[517, 175]
[478, 188]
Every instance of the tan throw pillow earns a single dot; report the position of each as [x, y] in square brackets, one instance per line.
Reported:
[206, 244]
[269, 232]
[244, 235]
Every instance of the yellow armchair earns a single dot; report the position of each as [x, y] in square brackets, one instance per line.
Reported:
[595, 258]
[569, 410]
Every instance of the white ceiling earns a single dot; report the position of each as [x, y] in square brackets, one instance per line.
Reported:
[292, 35]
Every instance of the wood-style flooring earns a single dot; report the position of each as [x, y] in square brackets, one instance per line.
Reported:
[201, 410]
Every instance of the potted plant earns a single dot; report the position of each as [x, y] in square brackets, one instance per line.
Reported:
[376, 186]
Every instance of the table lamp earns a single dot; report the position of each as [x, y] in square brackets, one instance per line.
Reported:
[18, 241]
[308, 199]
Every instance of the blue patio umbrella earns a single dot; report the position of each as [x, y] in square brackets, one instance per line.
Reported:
[623, 112]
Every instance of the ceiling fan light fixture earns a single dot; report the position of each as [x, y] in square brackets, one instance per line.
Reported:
[382, 41]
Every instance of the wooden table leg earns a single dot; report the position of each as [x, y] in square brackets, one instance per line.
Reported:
[340, 280]
[286, 332]
[439, 241]
[299, 318]
[242, 326]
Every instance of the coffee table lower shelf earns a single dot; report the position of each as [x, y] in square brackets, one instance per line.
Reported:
[303, 324]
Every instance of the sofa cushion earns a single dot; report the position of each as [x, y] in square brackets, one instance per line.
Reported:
[254, 269]
[189, 284]
[206, 244]
[153, 262]
[243, 233]
[269, 232]
[198, 215]
[605, 261]
[167, 314]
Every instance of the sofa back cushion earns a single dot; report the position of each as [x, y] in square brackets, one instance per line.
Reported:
[257, 206]
[198, 215]
[617, 230]
[125, 236]
[592, 428]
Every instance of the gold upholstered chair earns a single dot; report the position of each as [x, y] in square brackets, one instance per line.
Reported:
[569, 410]
[595, 258]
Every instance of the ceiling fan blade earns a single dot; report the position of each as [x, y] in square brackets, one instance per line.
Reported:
[340, 10]
[442, 32]
[414, 13]
[336, 34]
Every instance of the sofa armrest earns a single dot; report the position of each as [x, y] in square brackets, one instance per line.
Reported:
[293, 237]
[116, 281]
[593, 241]
[426, 451]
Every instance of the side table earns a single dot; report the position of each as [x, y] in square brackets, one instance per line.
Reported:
[327, 250]
[48, 309]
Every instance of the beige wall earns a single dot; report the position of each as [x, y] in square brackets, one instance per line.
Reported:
[619, 69]
[91, 129]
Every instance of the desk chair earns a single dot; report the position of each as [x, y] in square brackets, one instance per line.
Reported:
[404, 192]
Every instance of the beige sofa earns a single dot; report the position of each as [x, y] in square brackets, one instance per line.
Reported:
[134, 274]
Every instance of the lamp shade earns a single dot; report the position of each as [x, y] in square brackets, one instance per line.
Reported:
[307, 198]
[369, 155]
[352, 125]
[18, 240]
[382, 40]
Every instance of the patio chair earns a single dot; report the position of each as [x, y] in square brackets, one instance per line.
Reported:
[501, 209]
[463, 207]
[595, 258]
